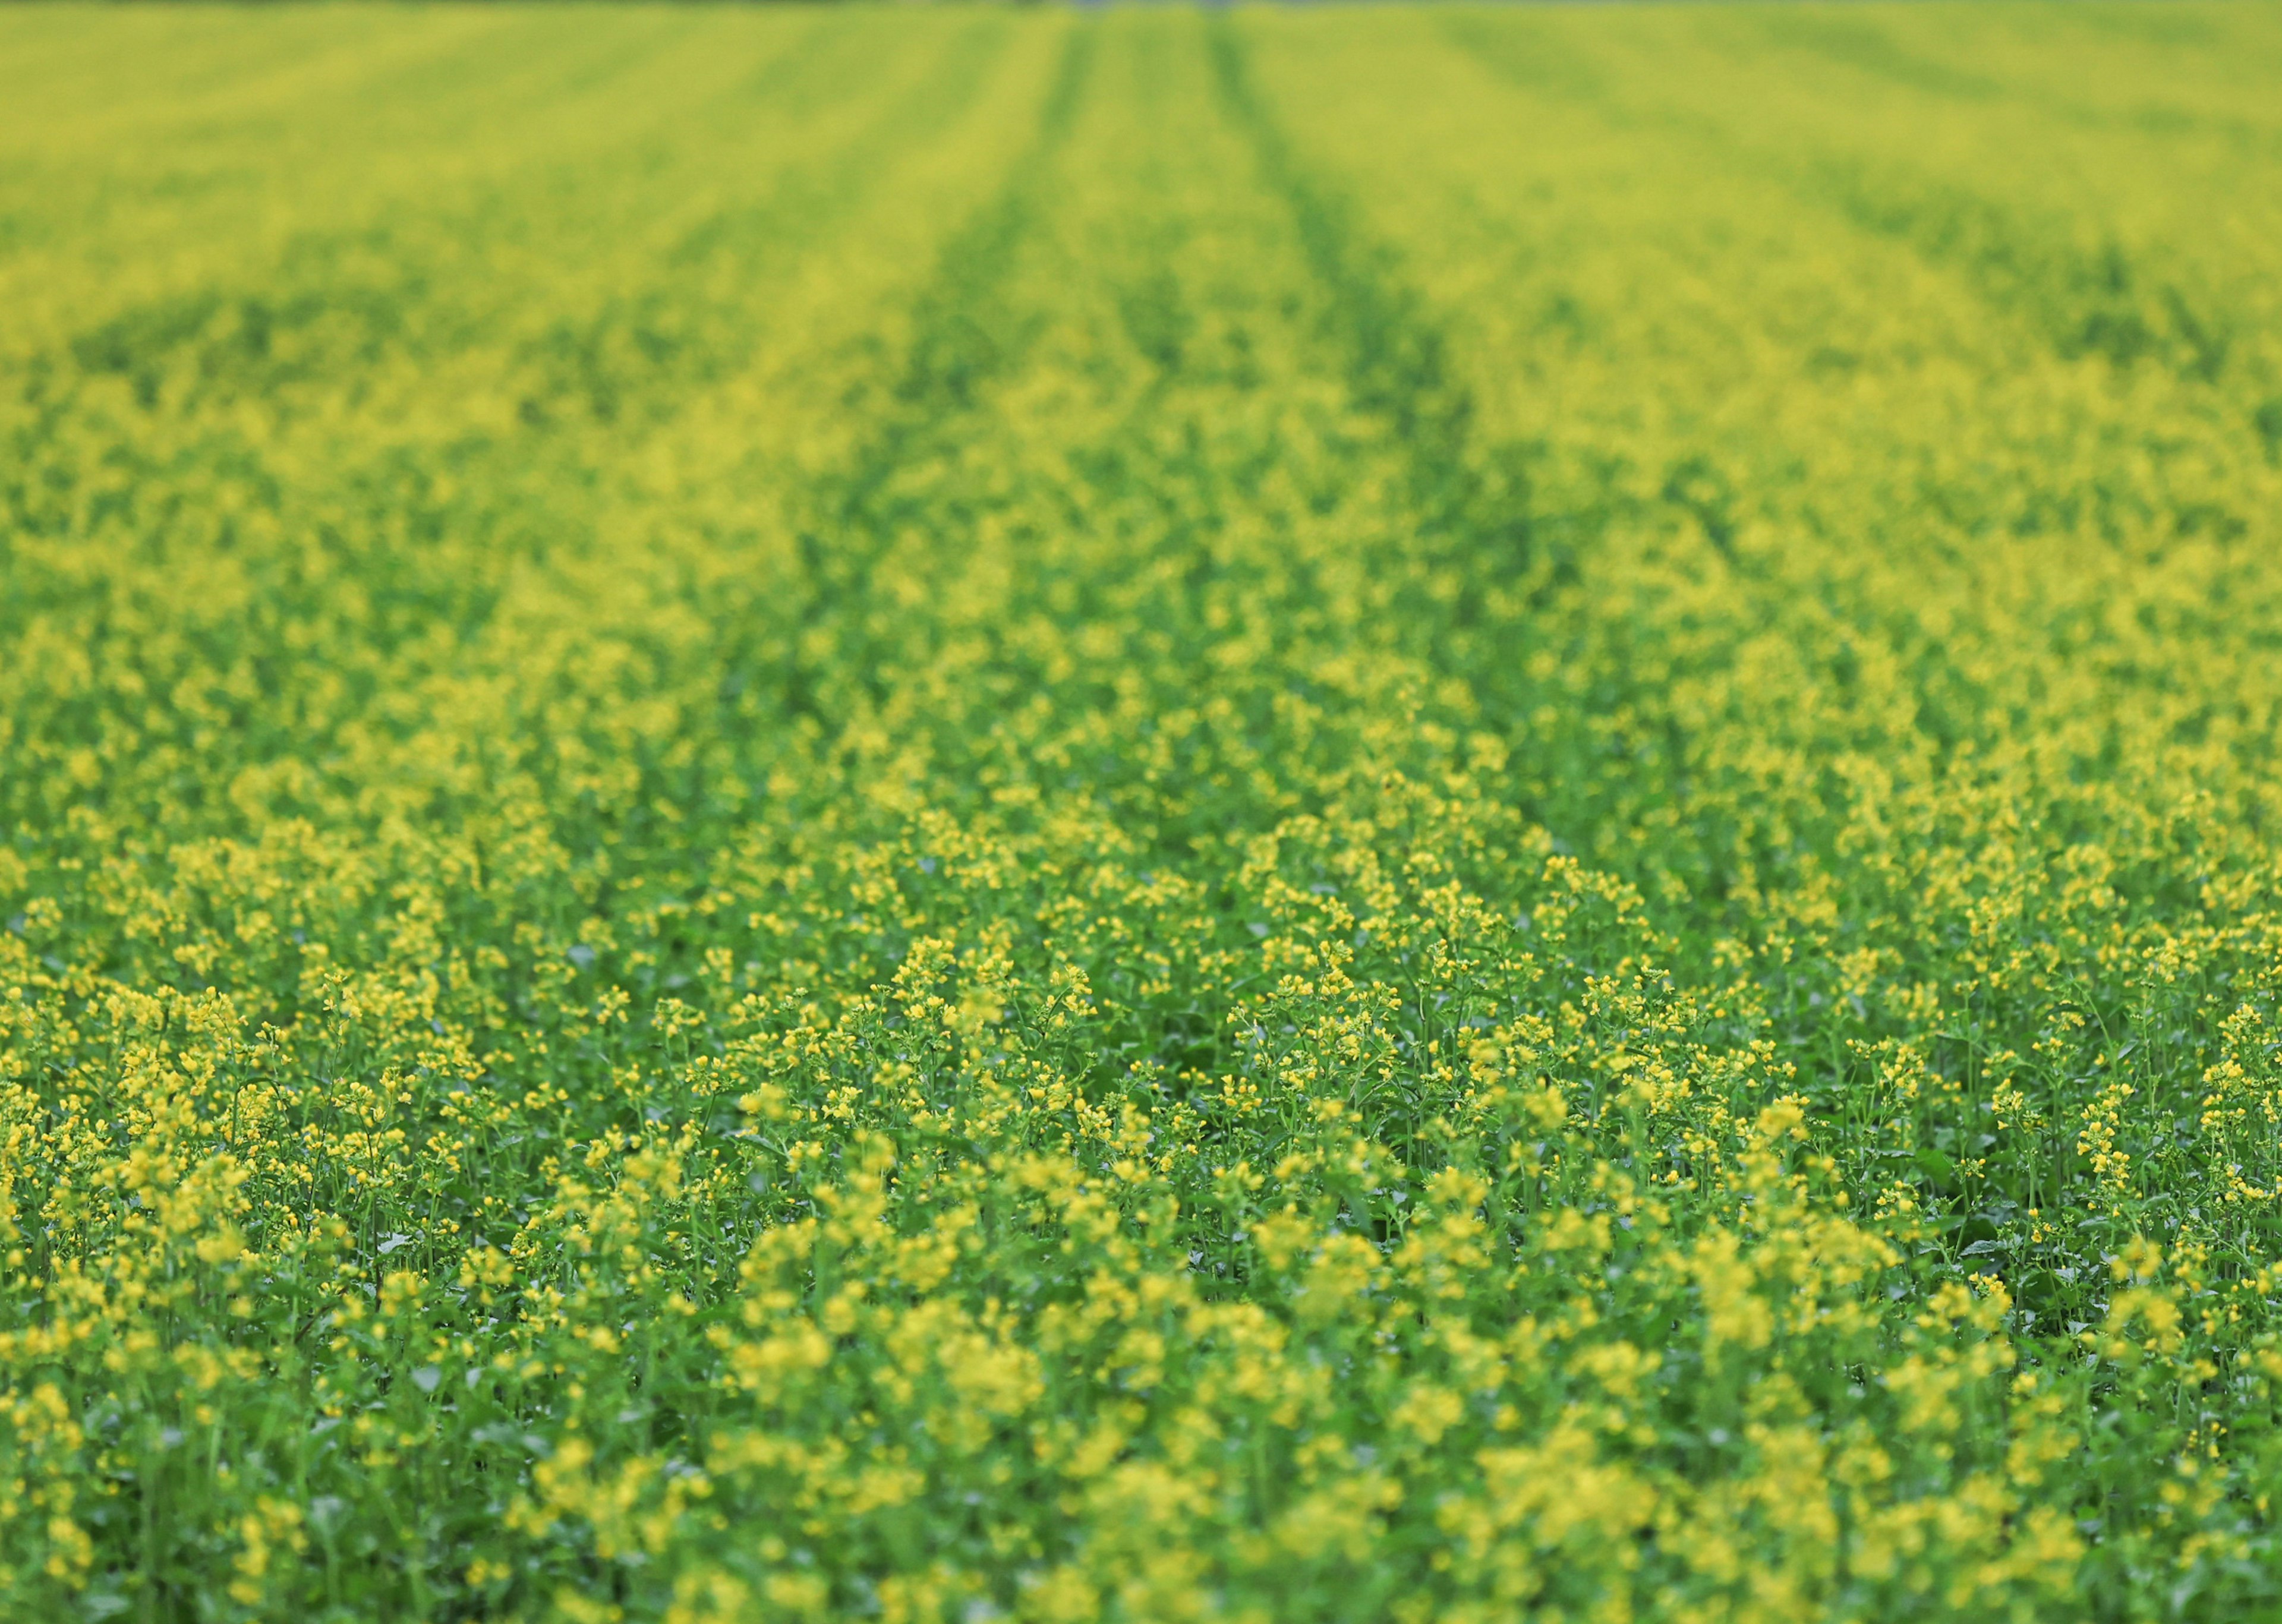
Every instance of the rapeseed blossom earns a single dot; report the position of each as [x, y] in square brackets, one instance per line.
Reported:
[1434, 815]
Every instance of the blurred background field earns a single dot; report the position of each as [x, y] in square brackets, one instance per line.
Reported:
[1441, 812]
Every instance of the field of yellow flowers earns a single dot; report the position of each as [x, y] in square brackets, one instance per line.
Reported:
[1436, 815]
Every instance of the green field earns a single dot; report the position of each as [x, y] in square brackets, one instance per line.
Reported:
[1437, 815]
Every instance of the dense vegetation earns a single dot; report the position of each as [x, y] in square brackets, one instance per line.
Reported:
[1438, 815]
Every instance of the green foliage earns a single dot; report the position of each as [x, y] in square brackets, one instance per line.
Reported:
[1430, 815]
